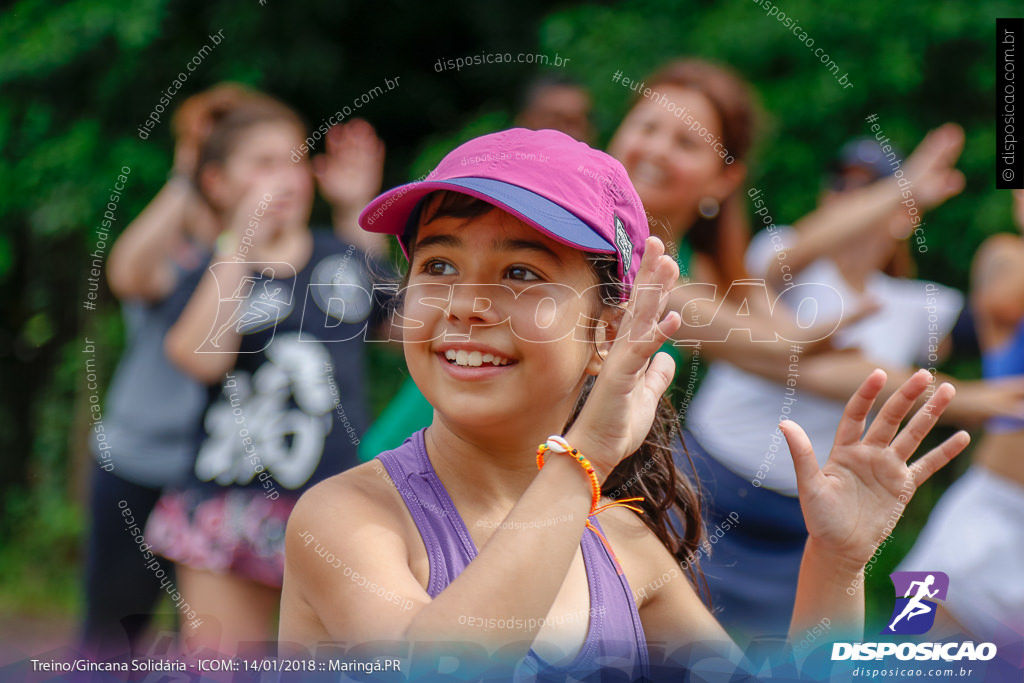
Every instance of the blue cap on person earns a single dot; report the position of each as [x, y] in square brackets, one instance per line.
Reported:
[569, 191]
[861, 161]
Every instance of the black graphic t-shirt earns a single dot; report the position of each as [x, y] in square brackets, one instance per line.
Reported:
[292, 410]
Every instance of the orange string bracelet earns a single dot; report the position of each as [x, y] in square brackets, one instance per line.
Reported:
[556, 444]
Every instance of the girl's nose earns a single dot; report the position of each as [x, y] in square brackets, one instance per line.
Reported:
[479, 304]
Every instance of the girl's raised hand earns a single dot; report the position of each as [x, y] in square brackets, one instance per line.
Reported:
[846, 503]
[620, 409]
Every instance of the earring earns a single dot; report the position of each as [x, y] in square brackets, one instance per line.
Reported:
[708, 207]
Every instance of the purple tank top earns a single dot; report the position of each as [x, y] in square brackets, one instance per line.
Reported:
[615, 637]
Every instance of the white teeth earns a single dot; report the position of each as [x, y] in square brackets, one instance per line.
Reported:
[648, 173]
[474, 359]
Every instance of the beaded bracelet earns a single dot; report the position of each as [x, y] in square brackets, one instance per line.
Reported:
[556, 444]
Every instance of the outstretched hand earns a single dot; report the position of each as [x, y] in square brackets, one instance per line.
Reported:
[350, 172]
[931, 166]
[846, 503]
[620, 409]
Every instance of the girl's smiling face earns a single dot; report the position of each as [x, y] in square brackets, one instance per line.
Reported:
[498, 303]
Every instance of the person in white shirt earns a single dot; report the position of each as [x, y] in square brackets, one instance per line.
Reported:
[732, 423]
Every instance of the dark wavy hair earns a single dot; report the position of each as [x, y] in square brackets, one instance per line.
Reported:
[671, 499]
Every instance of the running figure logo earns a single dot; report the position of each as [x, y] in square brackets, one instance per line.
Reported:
[914, 613]
[255, 303]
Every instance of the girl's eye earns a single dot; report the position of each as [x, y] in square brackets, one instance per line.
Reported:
[435, 267]
[521, 273]
[685, 142]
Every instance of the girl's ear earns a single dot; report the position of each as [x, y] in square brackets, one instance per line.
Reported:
[605, 330]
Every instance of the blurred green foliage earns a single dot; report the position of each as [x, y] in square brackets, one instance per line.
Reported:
[78, 77]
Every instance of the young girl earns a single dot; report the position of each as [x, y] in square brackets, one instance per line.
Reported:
[696, 202]
[521, 259]
[677, 176]
[275, 330]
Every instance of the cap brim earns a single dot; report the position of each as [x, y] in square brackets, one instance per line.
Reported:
[390, 212]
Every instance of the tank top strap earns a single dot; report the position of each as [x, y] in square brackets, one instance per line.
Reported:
[614, 609]
[449, 546]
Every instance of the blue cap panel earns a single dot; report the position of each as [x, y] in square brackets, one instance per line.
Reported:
[540, 210]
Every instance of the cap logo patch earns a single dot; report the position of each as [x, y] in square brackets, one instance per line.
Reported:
[623, 244]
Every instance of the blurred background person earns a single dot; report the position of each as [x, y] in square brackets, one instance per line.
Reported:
[982, 514]
[284, 366]
[560, 103]
[151, 407]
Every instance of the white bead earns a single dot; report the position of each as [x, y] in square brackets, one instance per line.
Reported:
[557, 444]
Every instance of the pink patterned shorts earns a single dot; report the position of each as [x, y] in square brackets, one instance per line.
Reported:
[234, 531]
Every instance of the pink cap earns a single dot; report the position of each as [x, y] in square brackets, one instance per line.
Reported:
[574, 194]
